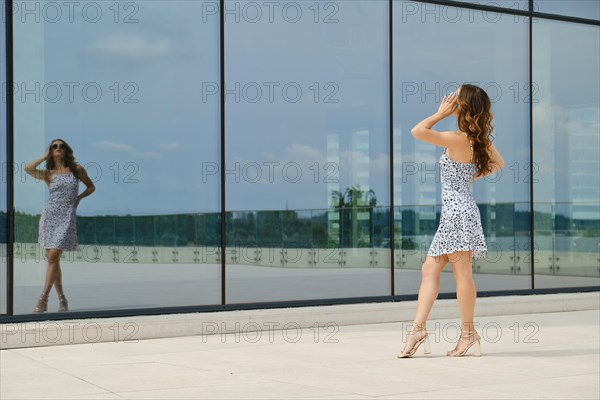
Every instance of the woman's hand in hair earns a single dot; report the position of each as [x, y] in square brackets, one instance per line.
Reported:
[447, 106]
[31, 168]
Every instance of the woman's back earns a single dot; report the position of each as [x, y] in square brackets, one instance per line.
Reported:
[457, 175]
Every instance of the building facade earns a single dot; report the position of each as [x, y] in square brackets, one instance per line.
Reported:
[251, 154]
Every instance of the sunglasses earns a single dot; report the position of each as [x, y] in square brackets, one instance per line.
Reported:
[58, 146]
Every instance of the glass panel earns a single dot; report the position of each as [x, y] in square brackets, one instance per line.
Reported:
[3, 166]
[126, 94]
[567, 154]
[589, 9]
[422, 78]
[307, 95]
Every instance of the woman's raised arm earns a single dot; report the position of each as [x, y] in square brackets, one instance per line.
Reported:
[31, 169]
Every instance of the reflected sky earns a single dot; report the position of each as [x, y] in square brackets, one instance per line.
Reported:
[567, 115]
[487, 50]
[135, 93]
[130, 104]
[332, 136]
[575, 8]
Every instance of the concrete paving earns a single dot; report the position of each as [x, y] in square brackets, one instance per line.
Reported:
[528, 356]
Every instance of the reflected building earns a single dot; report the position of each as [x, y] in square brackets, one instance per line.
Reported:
[584, 145]
[349, 151]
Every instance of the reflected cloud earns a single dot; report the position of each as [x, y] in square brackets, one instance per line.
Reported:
[145, 154]
[108, 145]
[307, 154]
[168, 183]
[304, 152]
[131, 46]
[381, 164]
[352, 159]
[170, 146]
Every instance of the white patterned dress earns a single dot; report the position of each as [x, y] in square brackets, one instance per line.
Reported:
[460, 222]
[58, 223]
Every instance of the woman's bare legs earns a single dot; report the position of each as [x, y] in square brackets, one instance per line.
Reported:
[58, 277]
[428, 292]
[52, 272]
[63, 304]
[430, 286]
[466, 293]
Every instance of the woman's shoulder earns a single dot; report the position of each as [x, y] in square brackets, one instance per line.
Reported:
[461, 139]
[78, 167]
[80, 171]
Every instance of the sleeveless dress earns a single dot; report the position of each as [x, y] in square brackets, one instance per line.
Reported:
[58, 222]
[460, 222]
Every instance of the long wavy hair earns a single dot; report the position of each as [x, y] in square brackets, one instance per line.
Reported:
[475, 119]
[69, 159]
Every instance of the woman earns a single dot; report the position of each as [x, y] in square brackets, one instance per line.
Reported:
[468, 155]
[58, 222]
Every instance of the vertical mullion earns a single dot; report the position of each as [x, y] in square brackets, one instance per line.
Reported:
[391, 127]
[531, 203]
[10, 214]
[222, 140]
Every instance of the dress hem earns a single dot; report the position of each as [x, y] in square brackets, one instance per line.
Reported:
[478, 253]
[57, 247]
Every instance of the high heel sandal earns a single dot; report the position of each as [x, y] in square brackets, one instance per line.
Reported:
[41, 305]
[63, 304]
[418, 331]
[472, 338]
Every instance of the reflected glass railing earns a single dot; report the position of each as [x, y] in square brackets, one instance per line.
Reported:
[566, 238]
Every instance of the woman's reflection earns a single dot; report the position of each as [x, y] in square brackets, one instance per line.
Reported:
[58, 222]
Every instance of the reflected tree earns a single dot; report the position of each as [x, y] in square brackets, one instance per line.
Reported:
[351, 206]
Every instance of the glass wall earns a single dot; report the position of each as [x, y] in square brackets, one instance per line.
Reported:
[566, 151]
[307, 139]
[127, 86]
[135, 89]
[494, 58]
